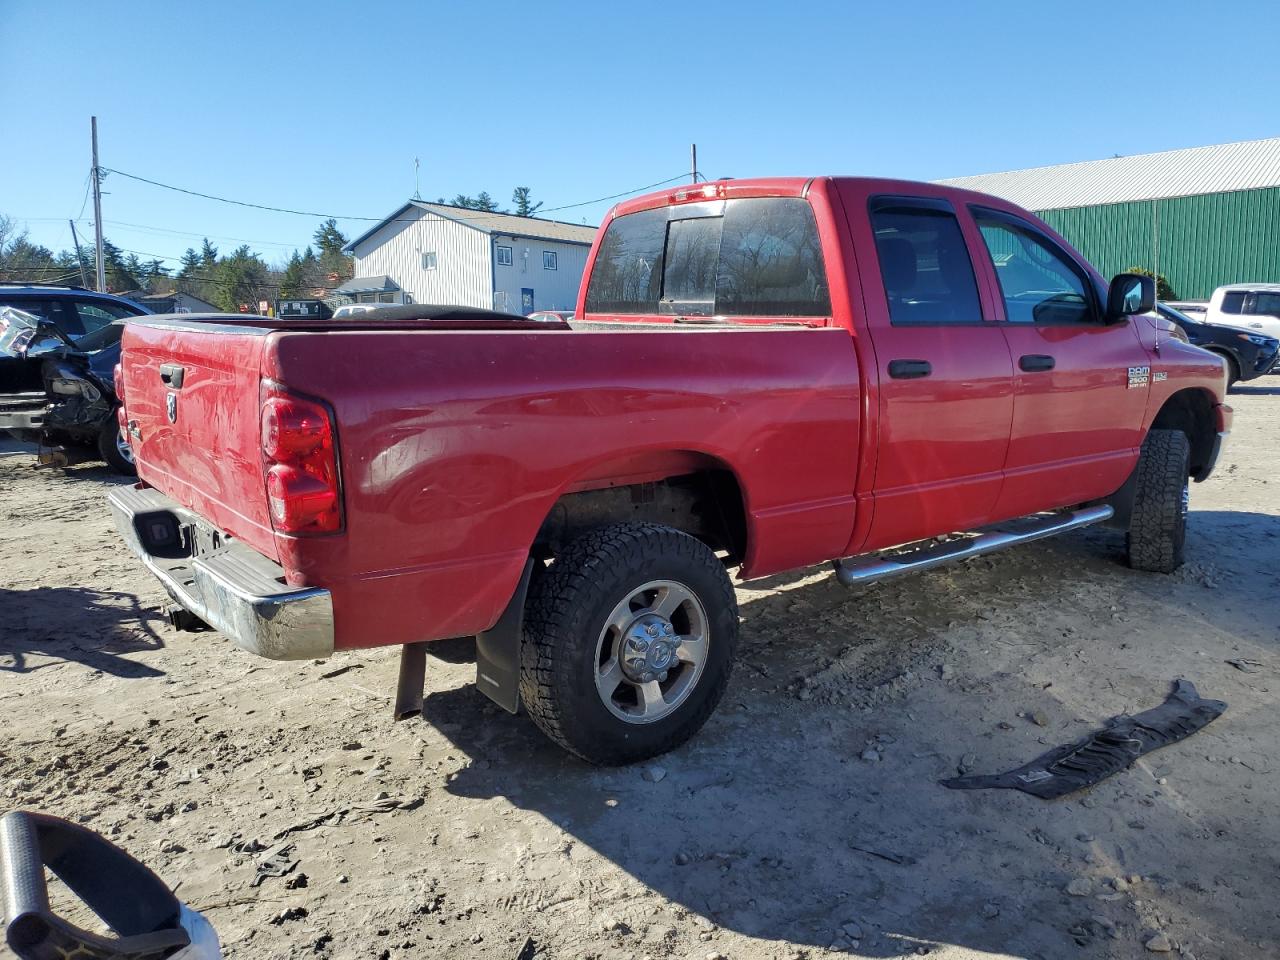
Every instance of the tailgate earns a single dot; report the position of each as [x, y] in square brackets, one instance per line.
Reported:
[191, 395]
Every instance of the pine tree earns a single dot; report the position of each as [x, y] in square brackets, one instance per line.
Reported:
[295, 277]
[242, 280]
[329, 238]
[190, 263]
[524, 208]
[208, 254]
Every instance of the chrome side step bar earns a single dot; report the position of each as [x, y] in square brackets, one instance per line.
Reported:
[856, 570]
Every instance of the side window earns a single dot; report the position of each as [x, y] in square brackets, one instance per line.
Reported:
[550, 260]
[1233, 301]
[429, 260]
[1266, 303]
[928, 276]
[504, 256]
[38, 308]
[1039, 283]
[64, 314]
[94, 316]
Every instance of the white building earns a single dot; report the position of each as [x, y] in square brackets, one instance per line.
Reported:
[435, 253]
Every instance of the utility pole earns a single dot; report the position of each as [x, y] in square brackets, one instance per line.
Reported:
[101, 275]
[84, 281]
[693, 162]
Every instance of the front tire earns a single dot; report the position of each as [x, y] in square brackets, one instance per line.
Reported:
[1158, 525]
[114, 452]
[629, 639]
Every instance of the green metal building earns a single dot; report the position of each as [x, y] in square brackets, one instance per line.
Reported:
[1202, 217]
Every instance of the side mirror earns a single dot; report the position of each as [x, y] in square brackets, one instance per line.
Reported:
[1130, 293]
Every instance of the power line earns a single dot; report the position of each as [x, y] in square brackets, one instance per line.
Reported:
[339, 216]
[88, 182]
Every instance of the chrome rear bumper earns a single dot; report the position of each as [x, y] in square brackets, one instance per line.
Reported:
[233, 588]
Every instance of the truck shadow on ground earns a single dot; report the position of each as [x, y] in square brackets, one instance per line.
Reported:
[773, 824]
[46, 626]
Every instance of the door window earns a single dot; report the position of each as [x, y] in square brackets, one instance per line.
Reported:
[928, 276]
[1267, 303]
[1039, 283]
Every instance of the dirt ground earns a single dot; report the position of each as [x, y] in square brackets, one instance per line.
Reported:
[805, 819]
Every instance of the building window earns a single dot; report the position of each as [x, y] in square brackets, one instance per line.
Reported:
[504, 256]
[549, 260]
[429, 261]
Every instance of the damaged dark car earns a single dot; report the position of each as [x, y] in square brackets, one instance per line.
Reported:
[59, 392]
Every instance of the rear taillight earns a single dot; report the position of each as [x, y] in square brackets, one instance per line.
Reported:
[117, 381]
[300, 456]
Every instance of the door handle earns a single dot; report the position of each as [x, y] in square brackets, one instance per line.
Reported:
[1036, 362]
[171, 375]
[909, 369]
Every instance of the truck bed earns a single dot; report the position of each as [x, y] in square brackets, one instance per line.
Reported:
[457, 436]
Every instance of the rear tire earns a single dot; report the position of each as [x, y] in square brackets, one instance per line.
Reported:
[581, 676]
[1158, 525]
[113, 451]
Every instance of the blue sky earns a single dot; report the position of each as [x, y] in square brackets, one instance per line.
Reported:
[322, 106]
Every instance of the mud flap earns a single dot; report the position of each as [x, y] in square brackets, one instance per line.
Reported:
[1105, 752]
[498, 650]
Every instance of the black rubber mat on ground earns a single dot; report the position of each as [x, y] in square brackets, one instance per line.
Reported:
[1104, 752]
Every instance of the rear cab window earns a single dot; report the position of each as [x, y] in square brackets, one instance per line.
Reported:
[752, 257]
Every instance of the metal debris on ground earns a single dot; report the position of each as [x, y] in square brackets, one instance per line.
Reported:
[278, 862]
[1245, 665]
[353, 814]
[1104, 752]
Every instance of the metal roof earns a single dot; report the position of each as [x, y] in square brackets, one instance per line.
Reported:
[378, 284]
[1249, 165]
[507, 224]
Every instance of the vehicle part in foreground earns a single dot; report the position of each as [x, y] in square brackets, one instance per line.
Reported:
[629, 639]
[149, 922]
[1104, 752]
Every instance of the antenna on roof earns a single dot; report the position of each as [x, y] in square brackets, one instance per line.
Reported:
[416, 194]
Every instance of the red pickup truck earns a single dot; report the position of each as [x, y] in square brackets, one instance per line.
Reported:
[760, 374]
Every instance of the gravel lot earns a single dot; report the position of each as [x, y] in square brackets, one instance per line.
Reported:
[806, 818]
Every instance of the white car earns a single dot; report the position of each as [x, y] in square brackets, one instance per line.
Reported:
[353, 309]
[1254, 307]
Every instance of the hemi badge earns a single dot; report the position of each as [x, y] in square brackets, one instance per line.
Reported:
[1139, 376]
[1160, 376]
